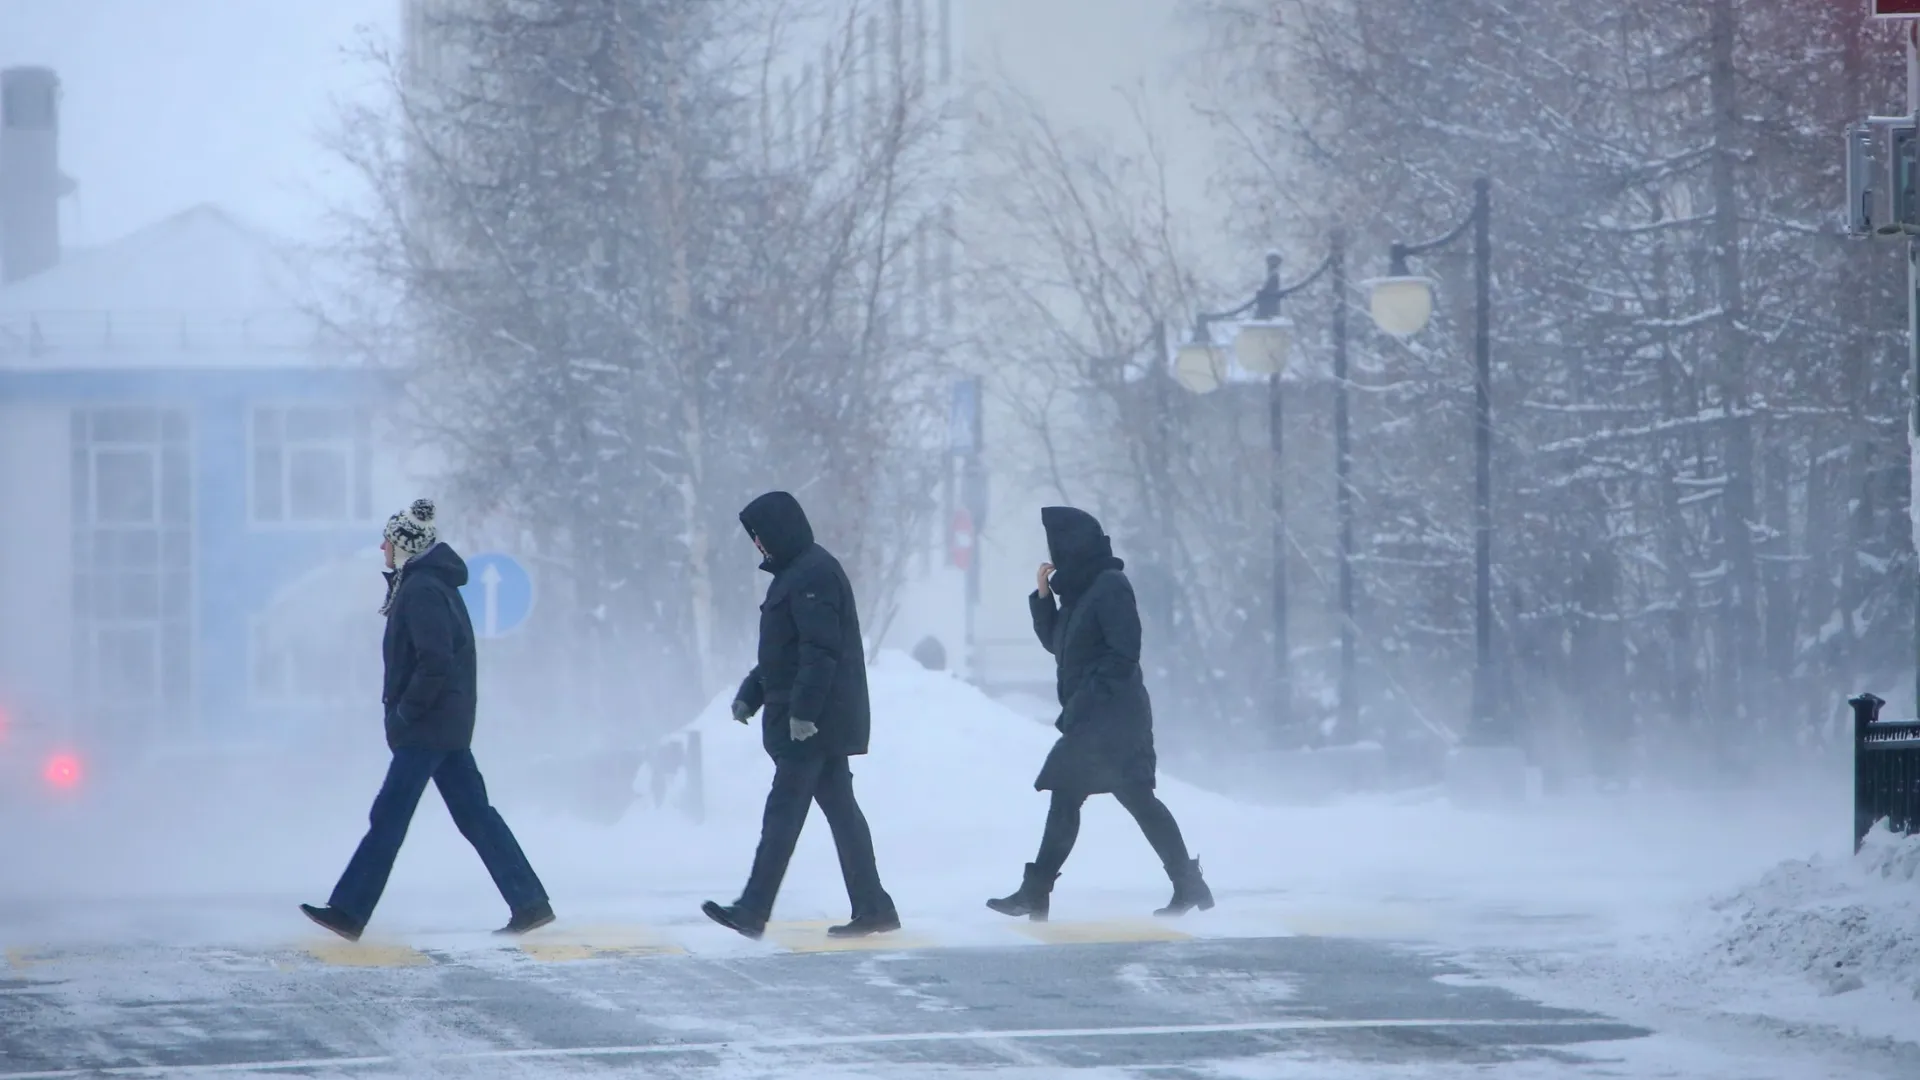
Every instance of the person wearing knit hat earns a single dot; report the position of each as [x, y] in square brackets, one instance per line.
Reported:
[432, 684]
[409, 533]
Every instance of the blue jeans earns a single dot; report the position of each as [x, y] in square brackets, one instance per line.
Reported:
[458, 777]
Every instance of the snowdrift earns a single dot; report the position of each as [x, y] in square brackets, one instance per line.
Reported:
[1841, 922]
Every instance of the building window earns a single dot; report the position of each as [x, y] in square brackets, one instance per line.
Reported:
[311, 465]
[133, 568]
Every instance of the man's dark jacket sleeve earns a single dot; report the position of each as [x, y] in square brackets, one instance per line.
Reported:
[752, 693]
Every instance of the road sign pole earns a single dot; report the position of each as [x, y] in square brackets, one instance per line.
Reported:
[490, 591]
[1913, 328]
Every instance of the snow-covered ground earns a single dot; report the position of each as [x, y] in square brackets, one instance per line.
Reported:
[1732, 911]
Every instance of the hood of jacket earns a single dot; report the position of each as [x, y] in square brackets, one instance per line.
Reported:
[1078, 548]
[777, 521]
[441, 561]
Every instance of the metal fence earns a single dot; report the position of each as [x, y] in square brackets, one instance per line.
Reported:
[1886, 770]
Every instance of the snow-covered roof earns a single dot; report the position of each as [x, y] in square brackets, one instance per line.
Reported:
[198, 289]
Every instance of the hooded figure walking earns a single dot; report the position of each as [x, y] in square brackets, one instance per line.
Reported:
[1106, 720]
[430, 693]
[811, 680]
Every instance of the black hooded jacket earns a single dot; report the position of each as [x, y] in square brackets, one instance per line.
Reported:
[432, 673]
[812, 664]
[1106, 718]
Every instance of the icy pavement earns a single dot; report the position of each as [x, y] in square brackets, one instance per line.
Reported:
[1123, 997]
[1072, 997]
[1654, 935]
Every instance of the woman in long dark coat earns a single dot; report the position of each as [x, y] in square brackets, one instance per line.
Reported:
[1106, 720]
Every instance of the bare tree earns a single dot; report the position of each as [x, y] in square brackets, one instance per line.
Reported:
[1697, 431]
[646, 258]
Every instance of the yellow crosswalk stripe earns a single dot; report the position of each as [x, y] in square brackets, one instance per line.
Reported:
[369, 956]
[597, 943]
[811, 937]
[21, 959]
[1113, 932]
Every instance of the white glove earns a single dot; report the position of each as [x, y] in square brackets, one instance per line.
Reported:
[801, 730]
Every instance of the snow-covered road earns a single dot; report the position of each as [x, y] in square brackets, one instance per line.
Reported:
[1647, 935]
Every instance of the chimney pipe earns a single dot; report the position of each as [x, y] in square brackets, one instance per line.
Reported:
[30, 180]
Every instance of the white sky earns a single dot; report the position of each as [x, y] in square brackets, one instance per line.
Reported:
[171, 103]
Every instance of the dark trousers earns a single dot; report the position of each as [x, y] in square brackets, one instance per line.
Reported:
[458, 777]
[1152, 815]
[797, 784]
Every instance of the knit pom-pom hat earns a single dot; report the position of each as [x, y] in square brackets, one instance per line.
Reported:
[411, 531]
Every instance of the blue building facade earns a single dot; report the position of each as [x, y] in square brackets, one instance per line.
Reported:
[191, 486]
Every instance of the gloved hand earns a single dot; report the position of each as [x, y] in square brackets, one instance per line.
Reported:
[741, 711]
[802, 730]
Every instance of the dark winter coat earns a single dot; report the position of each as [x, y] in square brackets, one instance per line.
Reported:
[1106, 719]
[812, 664]
[432, 673]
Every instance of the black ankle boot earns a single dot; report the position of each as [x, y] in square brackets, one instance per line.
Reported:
[1189, 890]
[1036, 891]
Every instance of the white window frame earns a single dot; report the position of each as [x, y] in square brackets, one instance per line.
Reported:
[165, 719]
[356, 447]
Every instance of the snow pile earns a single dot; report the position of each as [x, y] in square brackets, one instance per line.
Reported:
[1837, 921]
[948, 790]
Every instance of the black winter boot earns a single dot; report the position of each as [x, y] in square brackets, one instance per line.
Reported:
[1032, 898]
[1189, 890]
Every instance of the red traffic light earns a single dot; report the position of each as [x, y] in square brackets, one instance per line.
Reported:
[62, 771]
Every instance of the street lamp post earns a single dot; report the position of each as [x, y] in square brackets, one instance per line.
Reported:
[1401, 305]
[1262, 346]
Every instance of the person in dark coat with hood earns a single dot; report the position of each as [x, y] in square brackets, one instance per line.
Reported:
[810, 687]
[1106, 720]
[430, 695]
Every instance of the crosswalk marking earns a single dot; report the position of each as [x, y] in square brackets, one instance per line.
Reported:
[637, 941]
[811, 937]
[369, 956]
[598, 943]
[21, 959]
[1113, 932]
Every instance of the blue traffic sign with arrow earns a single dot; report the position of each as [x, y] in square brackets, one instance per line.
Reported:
[499, 594]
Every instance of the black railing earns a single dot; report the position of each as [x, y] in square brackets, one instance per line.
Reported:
[1886, 770]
